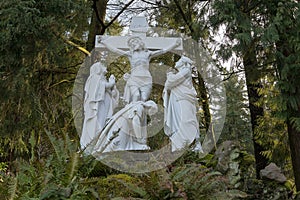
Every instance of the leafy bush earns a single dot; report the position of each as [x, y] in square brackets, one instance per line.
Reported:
[191, 181]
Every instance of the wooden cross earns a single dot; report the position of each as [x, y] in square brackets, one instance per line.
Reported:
[138, 27]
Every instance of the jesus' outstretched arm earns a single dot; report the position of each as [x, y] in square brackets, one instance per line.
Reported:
[165, 50]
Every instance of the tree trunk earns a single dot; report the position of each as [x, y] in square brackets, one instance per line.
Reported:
[294, 139]
[97, 26]
[290, 91]
[204, 101]
[253, 84]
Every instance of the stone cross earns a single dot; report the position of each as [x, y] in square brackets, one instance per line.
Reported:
[138, 27]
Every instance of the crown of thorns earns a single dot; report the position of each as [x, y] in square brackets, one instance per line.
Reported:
[134, 38]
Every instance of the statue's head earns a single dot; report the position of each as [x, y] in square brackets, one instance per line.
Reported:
[184, 62]
[98, 68]
[151, 107]
[135, 43]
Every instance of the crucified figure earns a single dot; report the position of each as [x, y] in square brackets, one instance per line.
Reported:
[139, 81]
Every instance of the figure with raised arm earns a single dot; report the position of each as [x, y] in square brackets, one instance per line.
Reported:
[139, 81]
[101, 97]
[180, 99]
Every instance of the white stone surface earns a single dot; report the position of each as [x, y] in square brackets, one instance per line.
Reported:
[139, 25]
[139, 81]
[180, 121]
[151, 43]
[101, 97]
[127, 129]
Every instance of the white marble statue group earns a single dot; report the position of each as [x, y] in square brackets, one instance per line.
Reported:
[106, 131]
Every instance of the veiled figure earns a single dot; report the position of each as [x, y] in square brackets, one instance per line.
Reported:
[101, 97]
[126, 130]
[180, 98]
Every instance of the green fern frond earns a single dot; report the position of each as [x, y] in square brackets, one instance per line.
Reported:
[56, 146]
[13, 188]
[32, 142]
[73, 165]
[296, 123]
[92, 192]
[268, 154]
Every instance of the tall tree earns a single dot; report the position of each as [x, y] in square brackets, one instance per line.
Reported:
[268, 30]
[38, 66]
[237, 18]
[286, 19]
[97, 26]
[237, 124]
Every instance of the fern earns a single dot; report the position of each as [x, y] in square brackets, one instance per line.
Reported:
[73, 166]
[296, 123]
[32, 142]
[56, 146]
[12, 188]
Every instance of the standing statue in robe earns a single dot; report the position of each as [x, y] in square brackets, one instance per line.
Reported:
[126, 130]
[101, 97]
[180, 99]
[139, 81]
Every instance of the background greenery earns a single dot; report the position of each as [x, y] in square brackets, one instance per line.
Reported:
[43, 44]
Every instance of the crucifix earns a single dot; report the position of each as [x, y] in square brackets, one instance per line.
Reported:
[138, 27]
[127, 129]
[139, 49]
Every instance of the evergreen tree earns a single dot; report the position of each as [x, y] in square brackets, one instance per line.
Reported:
[286, 19]
[237, 124]
[38, 66]
[237, 17]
